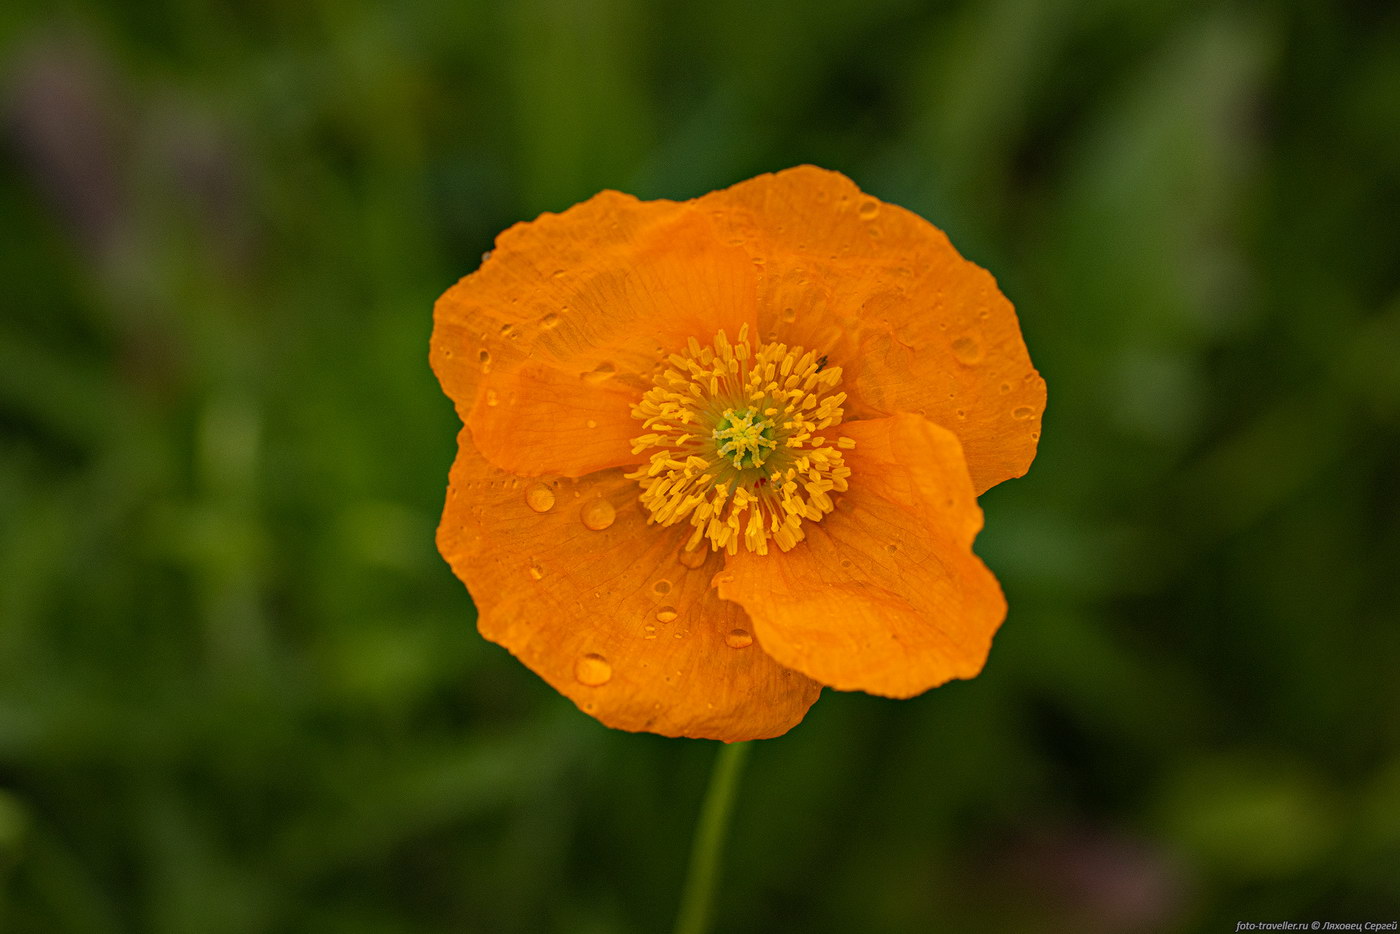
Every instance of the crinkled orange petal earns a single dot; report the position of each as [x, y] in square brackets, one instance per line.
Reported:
[881, 291]
[611, 618]
[536, 420]
[885, 594]
[546, 346]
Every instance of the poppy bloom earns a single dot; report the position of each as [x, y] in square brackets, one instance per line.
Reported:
[719, 453]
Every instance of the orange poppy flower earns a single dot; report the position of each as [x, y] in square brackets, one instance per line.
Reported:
[719, 453]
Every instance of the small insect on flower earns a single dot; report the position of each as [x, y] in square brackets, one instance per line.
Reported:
[719, 453]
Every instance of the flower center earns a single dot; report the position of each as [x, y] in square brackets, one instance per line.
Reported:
[734, 442]
[745, 436]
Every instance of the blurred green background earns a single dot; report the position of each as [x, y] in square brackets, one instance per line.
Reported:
[240, 692]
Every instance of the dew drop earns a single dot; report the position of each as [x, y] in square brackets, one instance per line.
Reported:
[738, 639]
[600, 374]
[540, 498]
[549, 321]
[484, 357]
[1022, 412]
[592, 670]
[491, 398]
[845, 562]
[693, 558]
[558, 273]
[666, 614]
[536, 572]
[662, 586]
[508, 330]
[789, 315]
[649, 631]
[1005, 388]
[962, 413]
[967, 350]
[892, 548]
[869, 208]
[591, 423]
[598, 514]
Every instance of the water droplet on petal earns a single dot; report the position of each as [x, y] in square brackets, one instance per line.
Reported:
[487, 255]
[591, 423]
[649, 631]
[1022, 412]
[869, 208]
[967, 350]
[492, 398]
[592, 669]
[662, 586]
[1005, 388]
[789, 315]
[598, 514]
[507, 330]
[738, 639]
[666, 614]
[549, 321]
[600, 374]
[693, 558]
[540, 498]
[536, 572]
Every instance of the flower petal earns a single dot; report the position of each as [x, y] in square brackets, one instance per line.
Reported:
[885, 594]
[611, 617]
[881, 291]
[571, 318]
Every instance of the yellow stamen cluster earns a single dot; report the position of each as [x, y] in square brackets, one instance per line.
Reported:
[737, 452]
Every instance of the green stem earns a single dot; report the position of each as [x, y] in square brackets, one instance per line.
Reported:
[708, 845]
